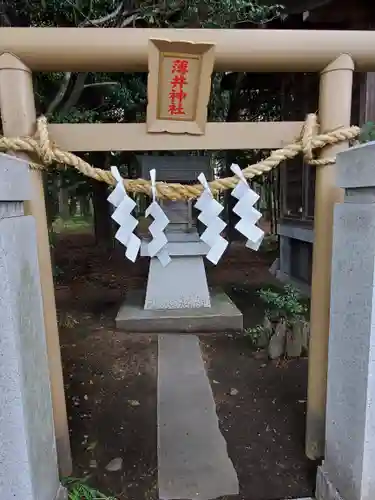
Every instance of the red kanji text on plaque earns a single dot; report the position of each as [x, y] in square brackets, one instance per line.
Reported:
[177, 94]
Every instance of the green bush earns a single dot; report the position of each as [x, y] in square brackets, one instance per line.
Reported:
[285, 305]
[79, 490]
[367, 132]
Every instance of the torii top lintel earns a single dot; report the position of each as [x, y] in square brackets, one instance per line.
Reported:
[118, 49]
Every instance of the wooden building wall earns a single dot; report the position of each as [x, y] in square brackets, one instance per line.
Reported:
[297, 180]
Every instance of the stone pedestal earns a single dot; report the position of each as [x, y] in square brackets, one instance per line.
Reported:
[183, 283]
[177, 297]
[348, 470]
[28, 460]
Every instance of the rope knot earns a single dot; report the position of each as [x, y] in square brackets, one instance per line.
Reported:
[45, 148]
[309, 132]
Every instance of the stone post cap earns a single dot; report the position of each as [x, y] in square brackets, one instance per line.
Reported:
[355, 167]
[15, 182]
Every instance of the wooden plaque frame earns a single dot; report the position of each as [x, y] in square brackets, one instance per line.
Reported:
[202, 57]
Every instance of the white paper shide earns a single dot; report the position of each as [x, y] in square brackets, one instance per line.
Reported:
[122, 215]
[209, 216]
[158, 245]
[244, 208]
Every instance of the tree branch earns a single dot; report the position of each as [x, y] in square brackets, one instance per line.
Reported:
[80, 82]
[129, 20]
[100, 84]
[114, 17]
[60, 94]
[96, 22]
[79, 85]
[109, 17]
[5, 21]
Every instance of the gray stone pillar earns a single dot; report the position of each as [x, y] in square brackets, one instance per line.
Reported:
[28, 461]
[348, 470]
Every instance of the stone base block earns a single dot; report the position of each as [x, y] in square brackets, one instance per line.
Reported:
[325, 490]
[222, 316]
[62, 494]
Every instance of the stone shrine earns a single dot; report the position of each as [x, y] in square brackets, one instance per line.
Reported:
[177, 296]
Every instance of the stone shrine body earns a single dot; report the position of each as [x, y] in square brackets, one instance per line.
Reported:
[177, 296]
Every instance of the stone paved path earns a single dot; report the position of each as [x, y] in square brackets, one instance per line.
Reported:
[192, 454]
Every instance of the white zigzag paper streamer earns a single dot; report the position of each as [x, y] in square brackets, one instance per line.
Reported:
[249, 215]
[122, 215]
[210, 210]
[157, 246]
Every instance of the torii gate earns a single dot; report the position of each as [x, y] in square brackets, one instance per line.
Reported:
[335, 54]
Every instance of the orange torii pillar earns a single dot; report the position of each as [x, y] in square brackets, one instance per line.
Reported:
[335, 100]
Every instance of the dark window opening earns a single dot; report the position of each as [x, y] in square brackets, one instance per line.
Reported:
[301, 260]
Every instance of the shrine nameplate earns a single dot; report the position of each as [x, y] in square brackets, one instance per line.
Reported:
[179, 84]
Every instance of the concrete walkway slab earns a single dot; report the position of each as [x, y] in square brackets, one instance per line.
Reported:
[193, 462]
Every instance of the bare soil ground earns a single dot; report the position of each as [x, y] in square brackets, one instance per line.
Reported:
[111, 379]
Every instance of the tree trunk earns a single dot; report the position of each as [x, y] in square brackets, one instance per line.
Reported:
[102, 215]
[73, 206]
[51, 205]
[63, 197]
[229, 201]
[85, 206]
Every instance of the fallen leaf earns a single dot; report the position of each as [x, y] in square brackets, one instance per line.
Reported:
[114, 465]
[92, 446]
[134, 402]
